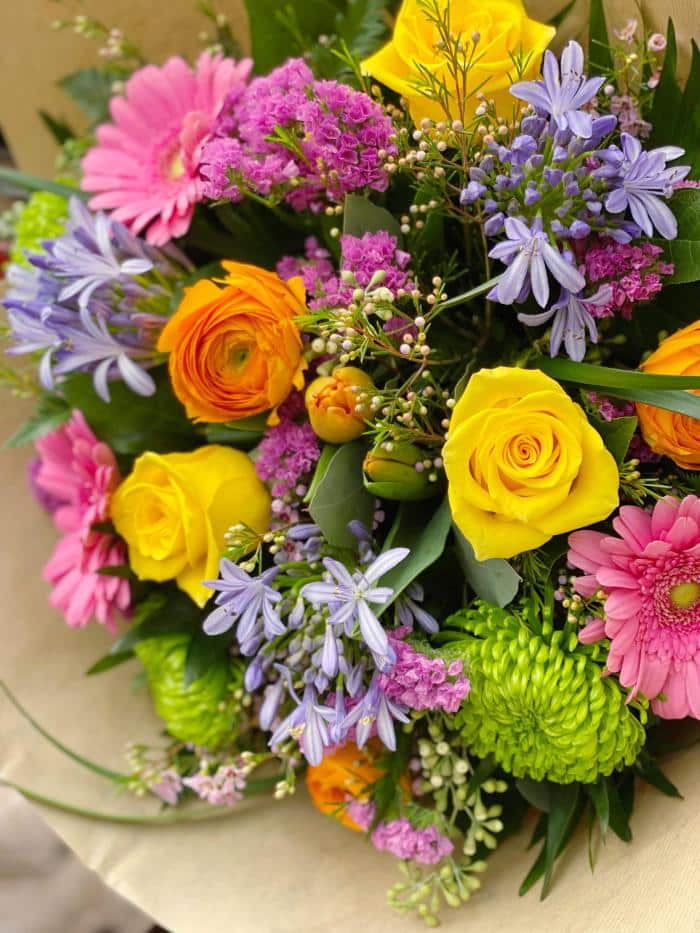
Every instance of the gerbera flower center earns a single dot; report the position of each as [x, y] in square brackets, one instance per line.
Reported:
[685, 595]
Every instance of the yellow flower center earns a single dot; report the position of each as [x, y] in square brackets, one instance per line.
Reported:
[685, 595]
[177, 166]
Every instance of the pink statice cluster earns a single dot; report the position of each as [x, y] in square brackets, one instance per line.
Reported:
[649, 575]
[633, 272]
[167, 786]
[609, 411]
[289, 450]
[420, 682]
[145, 165]
[400, 838]
[223, 788]
[361, 257]
[79, 474]
[298, 138]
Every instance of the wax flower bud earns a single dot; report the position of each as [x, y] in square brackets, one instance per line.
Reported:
[338, 405]
[392, 474]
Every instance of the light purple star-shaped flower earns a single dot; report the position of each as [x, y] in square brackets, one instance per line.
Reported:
[572, 318]
[244, 599]
[562, 93]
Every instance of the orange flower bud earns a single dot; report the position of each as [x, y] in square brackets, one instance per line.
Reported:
[336, 412]
[341, 777]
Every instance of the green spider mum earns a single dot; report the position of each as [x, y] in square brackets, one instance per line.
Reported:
[208, 711]
[43, 218]
[538, 702]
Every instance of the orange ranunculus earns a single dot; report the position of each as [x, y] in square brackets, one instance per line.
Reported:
[668, 432]
[337, 407]
[343, 776]
[235, 350]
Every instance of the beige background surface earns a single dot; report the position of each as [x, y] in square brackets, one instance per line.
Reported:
[272, 868]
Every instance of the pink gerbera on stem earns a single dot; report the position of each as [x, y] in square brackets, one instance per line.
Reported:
[145, 166]
[80, 473]
[649, 574]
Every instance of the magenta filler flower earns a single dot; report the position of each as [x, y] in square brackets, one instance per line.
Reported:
[145, 166]
[650, 575]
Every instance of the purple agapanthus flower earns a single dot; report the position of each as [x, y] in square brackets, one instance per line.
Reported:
[94, 301]
[349, 596]
[306, 723]
[640, 181]
[562, 93]
[375, 707]
[243, 600]
[407, 610]
[529, 254]
[573, 315]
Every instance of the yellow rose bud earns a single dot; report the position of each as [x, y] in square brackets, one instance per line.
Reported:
[502, 28]
[336, 411]
[392, 474]
[174, 509]
[668, 432]
[523, 463]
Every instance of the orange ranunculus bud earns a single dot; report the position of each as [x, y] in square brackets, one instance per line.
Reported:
[668, 432]
[344, 776]
[235, 350]
[337, 411]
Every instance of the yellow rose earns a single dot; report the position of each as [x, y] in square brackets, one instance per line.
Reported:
[523, 463]
[337, 407]
[504, 30]
[174, 509]
[668, 432]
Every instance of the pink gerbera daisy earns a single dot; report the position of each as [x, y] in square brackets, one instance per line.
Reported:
[145, 166]
[650, 576]
[79, 472]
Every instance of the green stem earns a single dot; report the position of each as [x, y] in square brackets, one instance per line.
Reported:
[157, 819]
[115, 776]
[467, 296]
[34, 183]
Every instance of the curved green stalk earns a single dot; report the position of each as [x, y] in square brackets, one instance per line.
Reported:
[170, 817]
[116, 776]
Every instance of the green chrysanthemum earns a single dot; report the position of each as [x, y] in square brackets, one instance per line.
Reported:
[43, 218]
[208, 712]
[538, 702]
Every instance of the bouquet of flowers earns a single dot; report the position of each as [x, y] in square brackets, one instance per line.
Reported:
[367, 413]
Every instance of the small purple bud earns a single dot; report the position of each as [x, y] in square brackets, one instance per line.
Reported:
[253, 675]
[553, 176]
[558, 228]
[572, 189]
[531, 196]
[472, 193]
[579, 230]
[494, 225]
[490, 206]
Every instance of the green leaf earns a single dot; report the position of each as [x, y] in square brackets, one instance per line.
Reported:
[51, 413]
[322, 465]
[157, 422]
[475, 292]
[684, 251]
[272, 42]
[618, 812]
[559, 17]
[25, 182]
[493, 580]
[598, 793]
[684, 402]
[422, 529]
[599, 55]
[116, 570]
[616, 434]
[91, 89]
[58, 128]
[244, 433]
[563, 815]
[362, 26]
[537, 793]
[387, 789]
[108, 662]
[361, 216]
[650, 771]
[665, 110]
[203, 653]
[588, 374]
[168, 611]
[341, 497]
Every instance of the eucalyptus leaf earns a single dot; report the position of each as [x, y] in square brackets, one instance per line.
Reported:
[424, 531]
[340, 497]
[361, 216]
[492, 580]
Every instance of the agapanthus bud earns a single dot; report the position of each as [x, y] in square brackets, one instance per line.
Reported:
[392, 474]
